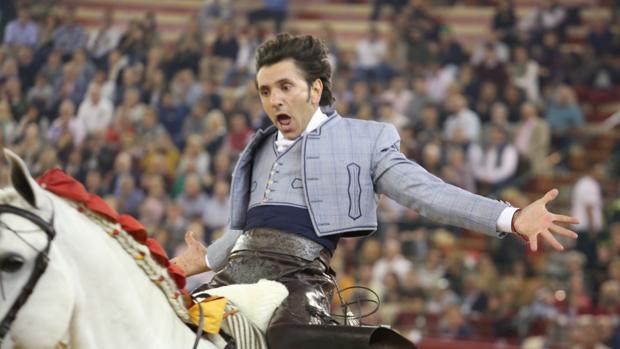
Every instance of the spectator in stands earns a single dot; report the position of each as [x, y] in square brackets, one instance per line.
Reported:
[505, 21]
[15, 96]
[550, 59]
[151, 30]
[457, 170]
[370, 53]
[70, 85]
[587, 206]
[67, 130]
[128, 196]
[95, 112]
[532, 140]
[275, 10]
[216, 213]
[226, 44]
[391, 261]
[488, 97]
[492, 69]
[600, 38]
[495, 161]
[26, 67]
[52, 69]
[463, 125]
[153, 208]
[70, 35]
[524, 73]
[193, 199]
[450, 50]
[419, 100]
[399, 95]
[418, 50]
[388, 114]
[133, 43]
[22, 31]
[438, 79]
[7, 123]
[494, 44]
[564, 117]
[239, 133]
[550, 15]
[213, 11]
[40, 94]
[172, 116]
[83, 66]
[214, 135]
[104, 39]
[377, 7]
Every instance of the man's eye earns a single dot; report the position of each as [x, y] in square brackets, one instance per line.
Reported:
[286, 87]
[264, 93]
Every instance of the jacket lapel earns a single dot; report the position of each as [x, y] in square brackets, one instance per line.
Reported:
[240, 183]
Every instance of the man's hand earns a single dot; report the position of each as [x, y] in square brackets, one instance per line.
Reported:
[192, 260]
[534, 219]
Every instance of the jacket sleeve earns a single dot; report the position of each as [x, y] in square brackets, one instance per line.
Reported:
[412, 186]
[218, 251]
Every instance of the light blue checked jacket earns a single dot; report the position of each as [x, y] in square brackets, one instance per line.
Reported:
[346, 164]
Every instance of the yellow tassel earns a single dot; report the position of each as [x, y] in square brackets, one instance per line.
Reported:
[213, 311]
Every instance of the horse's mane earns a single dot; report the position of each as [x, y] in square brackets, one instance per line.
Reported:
[126, 230]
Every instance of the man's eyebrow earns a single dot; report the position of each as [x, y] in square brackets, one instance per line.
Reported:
[279, 82]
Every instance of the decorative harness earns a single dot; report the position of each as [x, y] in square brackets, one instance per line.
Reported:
[40, 264]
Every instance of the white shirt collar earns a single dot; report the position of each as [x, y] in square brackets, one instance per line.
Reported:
[317, 119]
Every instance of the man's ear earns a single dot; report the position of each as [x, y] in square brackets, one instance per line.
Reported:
[316, 90]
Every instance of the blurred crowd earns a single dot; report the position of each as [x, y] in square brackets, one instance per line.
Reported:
[155, 128]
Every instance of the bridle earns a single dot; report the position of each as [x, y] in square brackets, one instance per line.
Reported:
[39, 267]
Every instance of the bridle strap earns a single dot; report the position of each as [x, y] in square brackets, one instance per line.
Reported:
[39, 267]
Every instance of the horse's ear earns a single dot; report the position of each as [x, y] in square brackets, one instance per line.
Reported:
[22, 181]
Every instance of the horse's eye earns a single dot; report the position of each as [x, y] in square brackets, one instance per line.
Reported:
[11, 263]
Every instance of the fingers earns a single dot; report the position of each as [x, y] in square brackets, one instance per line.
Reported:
[565, 219]
[552, 240]
[534, 243]
[189, 238]
[560, 230]
[550, 195]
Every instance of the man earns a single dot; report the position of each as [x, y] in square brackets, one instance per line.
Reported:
[312, 178]
[22, 31]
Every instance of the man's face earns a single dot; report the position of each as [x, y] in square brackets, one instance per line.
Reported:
[286, 97]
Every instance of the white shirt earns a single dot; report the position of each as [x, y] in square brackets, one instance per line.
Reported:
[317, 119]
[370, 53]
[487, 167]
[587, 193]
[466, 121]
[96, 117]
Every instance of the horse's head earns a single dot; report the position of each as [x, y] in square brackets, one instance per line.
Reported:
[26, 232]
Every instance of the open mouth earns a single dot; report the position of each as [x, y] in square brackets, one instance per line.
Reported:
[284, 122]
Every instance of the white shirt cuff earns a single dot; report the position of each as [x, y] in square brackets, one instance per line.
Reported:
[504, 221]
[207, 261]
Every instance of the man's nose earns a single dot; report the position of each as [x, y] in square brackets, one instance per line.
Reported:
[275, 99]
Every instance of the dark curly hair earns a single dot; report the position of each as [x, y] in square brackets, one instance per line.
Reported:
[309, 54]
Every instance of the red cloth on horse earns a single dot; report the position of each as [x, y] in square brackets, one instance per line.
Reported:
[157, 252]
[63, 185]
[133, 227]
[98, 205]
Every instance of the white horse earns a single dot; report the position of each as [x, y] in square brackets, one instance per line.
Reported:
[101, 288]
